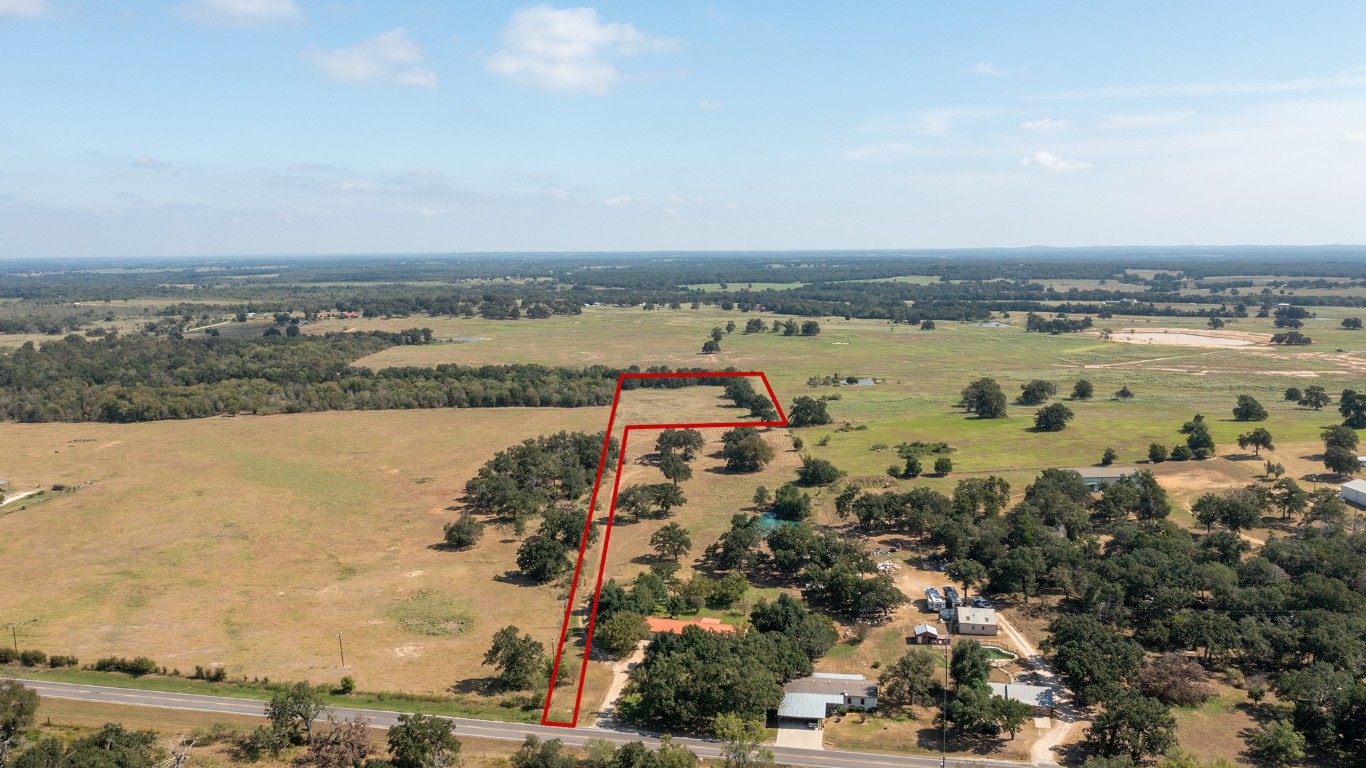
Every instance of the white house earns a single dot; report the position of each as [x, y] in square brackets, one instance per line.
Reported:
[975, 621]
[1354, 492]
[813, 698]
[1036, 696]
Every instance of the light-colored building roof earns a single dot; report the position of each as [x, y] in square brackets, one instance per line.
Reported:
[1033, 695]
[807, 698]
[829, 682]
[808, 706]
[1355, 485]
[925, 629]
[675, 626]
[969, 615]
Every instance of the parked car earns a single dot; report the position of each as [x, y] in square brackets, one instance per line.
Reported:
[981, 602]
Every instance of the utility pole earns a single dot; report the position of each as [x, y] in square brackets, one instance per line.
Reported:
[341, 649]
[944, 719]
[14, 632]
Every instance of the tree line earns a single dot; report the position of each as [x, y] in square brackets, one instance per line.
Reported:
[1133, 583]
[145, 378]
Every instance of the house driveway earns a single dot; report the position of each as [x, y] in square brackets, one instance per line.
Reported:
[799, 735]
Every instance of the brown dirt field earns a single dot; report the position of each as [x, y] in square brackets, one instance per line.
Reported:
[251, 541]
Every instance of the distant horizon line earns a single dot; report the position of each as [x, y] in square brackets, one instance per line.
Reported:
[891, 252]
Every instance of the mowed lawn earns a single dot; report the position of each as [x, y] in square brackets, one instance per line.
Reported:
[252, 541]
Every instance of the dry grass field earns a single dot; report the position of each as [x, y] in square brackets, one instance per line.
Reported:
[252, 541]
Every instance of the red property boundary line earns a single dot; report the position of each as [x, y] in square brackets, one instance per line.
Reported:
[611, 512]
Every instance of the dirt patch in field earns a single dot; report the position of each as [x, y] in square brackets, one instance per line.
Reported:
[1186, 337]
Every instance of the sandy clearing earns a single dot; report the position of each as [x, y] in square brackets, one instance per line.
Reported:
[10, 499]
[621, 674]
[1179, 339]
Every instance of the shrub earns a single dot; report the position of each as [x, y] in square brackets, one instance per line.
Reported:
[818, 472]
[57, 662]
[1182, 453]
[7, 656]
[140, 665]
[1157, 453]
[464, 532]
[347, 686]
[32, 658]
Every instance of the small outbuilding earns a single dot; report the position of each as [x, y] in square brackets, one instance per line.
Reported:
[925, 634]
[975, 621]
[1354, 492]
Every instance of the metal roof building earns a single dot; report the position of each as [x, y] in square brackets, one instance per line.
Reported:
[1354, 492]
[1036, 696]
[975, 621]
[812, 698]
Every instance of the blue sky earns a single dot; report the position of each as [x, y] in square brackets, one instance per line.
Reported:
[204, 127]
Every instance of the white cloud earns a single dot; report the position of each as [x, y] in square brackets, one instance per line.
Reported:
[389, 57]
[147, 161]
[987, 68]
[710, 105]
[1050, 162]
[240, 12]
[1152, 120]
[569, 49]
[1046, 124]
[27, 9]
[1355, 137]
[613, 202]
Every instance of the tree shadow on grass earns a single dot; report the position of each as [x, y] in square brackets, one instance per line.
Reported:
[930, 738]
[481, 686]
[516, 578]
[444, 547]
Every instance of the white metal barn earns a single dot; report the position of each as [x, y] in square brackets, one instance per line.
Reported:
[1354, 492]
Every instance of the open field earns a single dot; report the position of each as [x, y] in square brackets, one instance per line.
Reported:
[223, 541]
[919, 374]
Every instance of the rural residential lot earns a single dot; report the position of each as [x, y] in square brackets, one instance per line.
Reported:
[281, 498]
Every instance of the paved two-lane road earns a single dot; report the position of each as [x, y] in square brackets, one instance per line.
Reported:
[490, 729]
